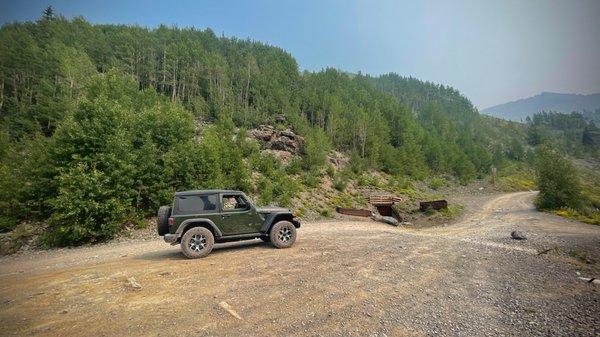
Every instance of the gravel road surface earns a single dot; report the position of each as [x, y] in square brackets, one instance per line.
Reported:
[342, 278]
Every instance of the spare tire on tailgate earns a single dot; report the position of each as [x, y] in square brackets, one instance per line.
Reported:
[162, 221]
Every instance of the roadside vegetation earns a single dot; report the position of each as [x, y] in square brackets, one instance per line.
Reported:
[100, 124]
[562, 190]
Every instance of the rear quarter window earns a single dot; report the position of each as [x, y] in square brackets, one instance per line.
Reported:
[196, 204]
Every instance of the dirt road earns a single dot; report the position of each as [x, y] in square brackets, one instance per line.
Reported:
[341, 278]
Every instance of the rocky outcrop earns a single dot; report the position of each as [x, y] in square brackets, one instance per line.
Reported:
[285, 140]
[338, 159]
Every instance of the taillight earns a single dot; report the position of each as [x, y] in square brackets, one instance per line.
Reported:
[171, 221]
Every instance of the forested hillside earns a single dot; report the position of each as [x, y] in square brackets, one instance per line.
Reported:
[101, 123]
[571, 133]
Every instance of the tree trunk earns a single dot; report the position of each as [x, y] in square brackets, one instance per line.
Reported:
[164, 71]
[174, 85]
[1, 90]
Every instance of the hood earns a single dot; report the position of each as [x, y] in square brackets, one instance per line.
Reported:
[272, 209]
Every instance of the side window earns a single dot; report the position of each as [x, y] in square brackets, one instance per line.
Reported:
[234, 203]
[195, 204]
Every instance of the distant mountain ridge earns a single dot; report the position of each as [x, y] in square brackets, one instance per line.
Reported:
[548, 101]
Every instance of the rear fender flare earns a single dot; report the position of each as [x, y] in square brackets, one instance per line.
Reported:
[192, 222]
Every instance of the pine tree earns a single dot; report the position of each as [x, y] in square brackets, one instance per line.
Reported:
[48, 13]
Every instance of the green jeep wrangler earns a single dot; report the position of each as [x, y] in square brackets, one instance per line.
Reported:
[198, 219]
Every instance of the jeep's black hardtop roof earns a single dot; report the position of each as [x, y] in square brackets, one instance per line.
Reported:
[198, 192]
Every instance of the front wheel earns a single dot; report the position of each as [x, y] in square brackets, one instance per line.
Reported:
[197, 242]
[283, 234]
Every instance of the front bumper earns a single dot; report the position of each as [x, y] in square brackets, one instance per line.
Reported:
[296, 223]
[171, 238]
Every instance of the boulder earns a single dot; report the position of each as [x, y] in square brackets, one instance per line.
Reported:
[516, 235]
[263, 132]
[280, 118]
[285, 140]
[385, 219]
[288, 133]
[338, 159]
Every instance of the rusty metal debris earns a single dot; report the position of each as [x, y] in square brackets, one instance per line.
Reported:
[435, 204]
[354, 212]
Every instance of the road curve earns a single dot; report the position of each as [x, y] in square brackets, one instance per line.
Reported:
[341, 278]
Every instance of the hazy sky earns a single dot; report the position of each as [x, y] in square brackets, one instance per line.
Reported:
[492, 51]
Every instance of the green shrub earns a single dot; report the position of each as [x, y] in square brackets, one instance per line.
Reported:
[316, 147]
[557, 180]
[357, 164]
[86, 208]
[325, 212]
[311, 180]
[436, 183]
[368, 180]
[265, 191]
[398, 183]
[279, 188]
[452, 211]
[25, 182]
[591, 216]
[343, 200]
[266, 164]
[340, 184]
[285, 189]
[330, 170]
[294, 166]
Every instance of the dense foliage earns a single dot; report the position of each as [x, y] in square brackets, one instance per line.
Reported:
[562, 188]
[557, 180]
[101, 123]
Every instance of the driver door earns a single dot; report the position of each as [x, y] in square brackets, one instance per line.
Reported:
[238, 216]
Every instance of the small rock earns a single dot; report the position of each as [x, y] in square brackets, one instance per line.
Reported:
[516, 235]
[590, 280]
[64, 311]
[133, 284]
[385, 219]
[225, 306]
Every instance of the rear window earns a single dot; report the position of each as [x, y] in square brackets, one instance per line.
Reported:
[195, 204]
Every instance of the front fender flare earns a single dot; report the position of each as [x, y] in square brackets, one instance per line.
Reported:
[270, 218]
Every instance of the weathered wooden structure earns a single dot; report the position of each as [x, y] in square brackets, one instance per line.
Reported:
[385, 205]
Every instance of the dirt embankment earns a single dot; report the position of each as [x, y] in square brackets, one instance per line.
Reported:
[341, 278]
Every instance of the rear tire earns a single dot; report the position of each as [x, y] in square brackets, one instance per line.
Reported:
[162, 220]
[197, 242]
[283, 234]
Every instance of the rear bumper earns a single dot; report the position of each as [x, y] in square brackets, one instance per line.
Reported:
[171, 238]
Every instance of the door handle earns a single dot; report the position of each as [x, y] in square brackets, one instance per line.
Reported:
[225, 215]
